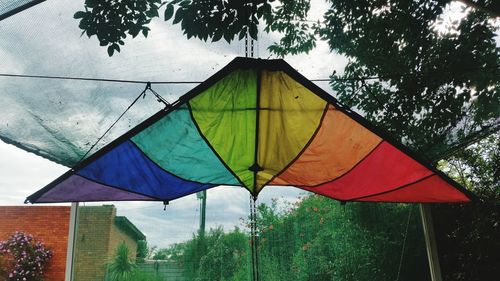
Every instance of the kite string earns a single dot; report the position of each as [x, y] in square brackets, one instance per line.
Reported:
[142, 94]
[404, 243]
[253, 238]
[345, 250]
[357, 78]
[95, 79]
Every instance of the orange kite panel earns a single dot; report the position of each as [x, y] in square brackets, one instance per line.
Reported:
[338, 146]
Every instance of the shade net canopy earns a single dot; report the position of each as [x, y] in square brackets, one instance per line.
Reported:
[11, 7]
[61, 119]
[255, 123]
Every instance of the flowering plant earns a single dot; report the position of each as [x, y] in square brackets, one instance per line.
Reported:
[26, 257]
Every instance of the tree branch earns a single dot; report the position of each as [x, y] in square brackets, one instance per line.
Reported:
[491, 9]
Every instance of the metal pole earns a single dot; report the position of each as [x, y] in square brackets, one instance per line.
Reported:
[70, 254]
[430, 242]
[203, 212]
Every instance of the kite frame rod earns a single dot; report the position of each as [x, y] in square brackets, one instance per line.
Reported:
[258, 64]
[20, 9]
[70, 249]
[430, 242]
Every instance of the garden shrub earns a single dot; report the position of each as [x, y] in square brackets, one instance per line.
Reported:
[22, 258]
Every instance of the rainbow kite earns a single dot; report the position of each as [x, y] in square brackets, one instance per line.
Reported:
[255, 123]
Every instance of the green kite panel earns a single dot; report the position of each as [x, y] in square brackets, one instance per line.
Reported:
[226, 116]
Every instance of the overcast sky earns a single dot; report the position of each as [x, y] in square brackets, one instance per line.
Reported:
[59, 116]
[63, 116]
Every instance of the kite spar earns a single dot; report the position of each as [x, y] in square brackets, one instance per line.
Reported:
[254, 124]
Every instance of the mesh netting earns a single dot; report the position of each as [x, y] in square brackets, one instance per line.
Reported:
[8, 6]
[61, 119]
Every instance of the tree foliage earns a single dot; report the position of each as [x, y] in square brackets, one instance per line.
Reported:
[435, 87]
[467, 233]
[313, 239]
[214, 256]
[431, 81]
[438, 80]
[143, 251]
[111, 21]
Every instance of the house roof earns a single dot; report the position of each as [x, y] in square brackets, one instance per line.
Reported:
[129, 228]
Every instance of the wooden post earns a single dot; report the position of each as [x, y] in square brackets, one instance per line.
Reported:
[70, 253]
[430, 242]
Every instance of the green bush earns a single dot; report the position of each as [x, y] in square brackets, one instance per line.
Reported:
[23, 258]
[122, 267]
[313, 239]
[142, 250]
[138, 275]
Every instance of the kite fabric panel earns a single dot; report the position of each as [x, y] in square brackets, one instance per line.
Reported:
[255, 123]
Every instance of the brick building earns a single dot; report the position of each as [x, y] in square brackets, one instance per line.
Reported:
[99, 232]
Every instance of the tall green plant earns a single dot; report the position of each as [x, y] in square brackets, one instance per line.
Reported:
[122, 267]
[142, 250]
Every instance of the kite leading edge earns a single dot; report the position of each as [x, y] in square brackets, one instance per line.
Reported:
[255, 123]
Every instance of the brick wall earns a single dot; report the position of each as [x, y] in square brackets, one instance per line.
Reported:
[117, 237]
[48, 224]
[92, 242]
[96, 241]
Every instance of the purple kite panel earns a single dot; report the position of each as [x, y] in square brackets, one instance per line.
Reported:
[77, 188]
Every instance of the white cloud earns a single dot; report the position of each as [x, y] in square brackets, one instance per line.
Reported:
[45, 40]
[22, 173]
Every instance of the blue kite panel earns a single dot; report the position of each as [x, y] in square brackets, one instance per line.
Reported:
[127, 168]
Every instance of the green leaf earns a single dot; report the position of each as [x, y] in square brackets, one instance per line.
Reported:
[90, 32]
[228, 36]
[243, 32]
[79, 15]
[253, 31]
[111, 50]
[145, 31]
[169, 12]
[90, 3]
[217, 35]
[134, 31]
[178, 16]
[153, 12]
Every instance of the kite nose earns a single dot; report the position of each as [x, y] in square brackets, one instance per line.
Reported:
[255, 168]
